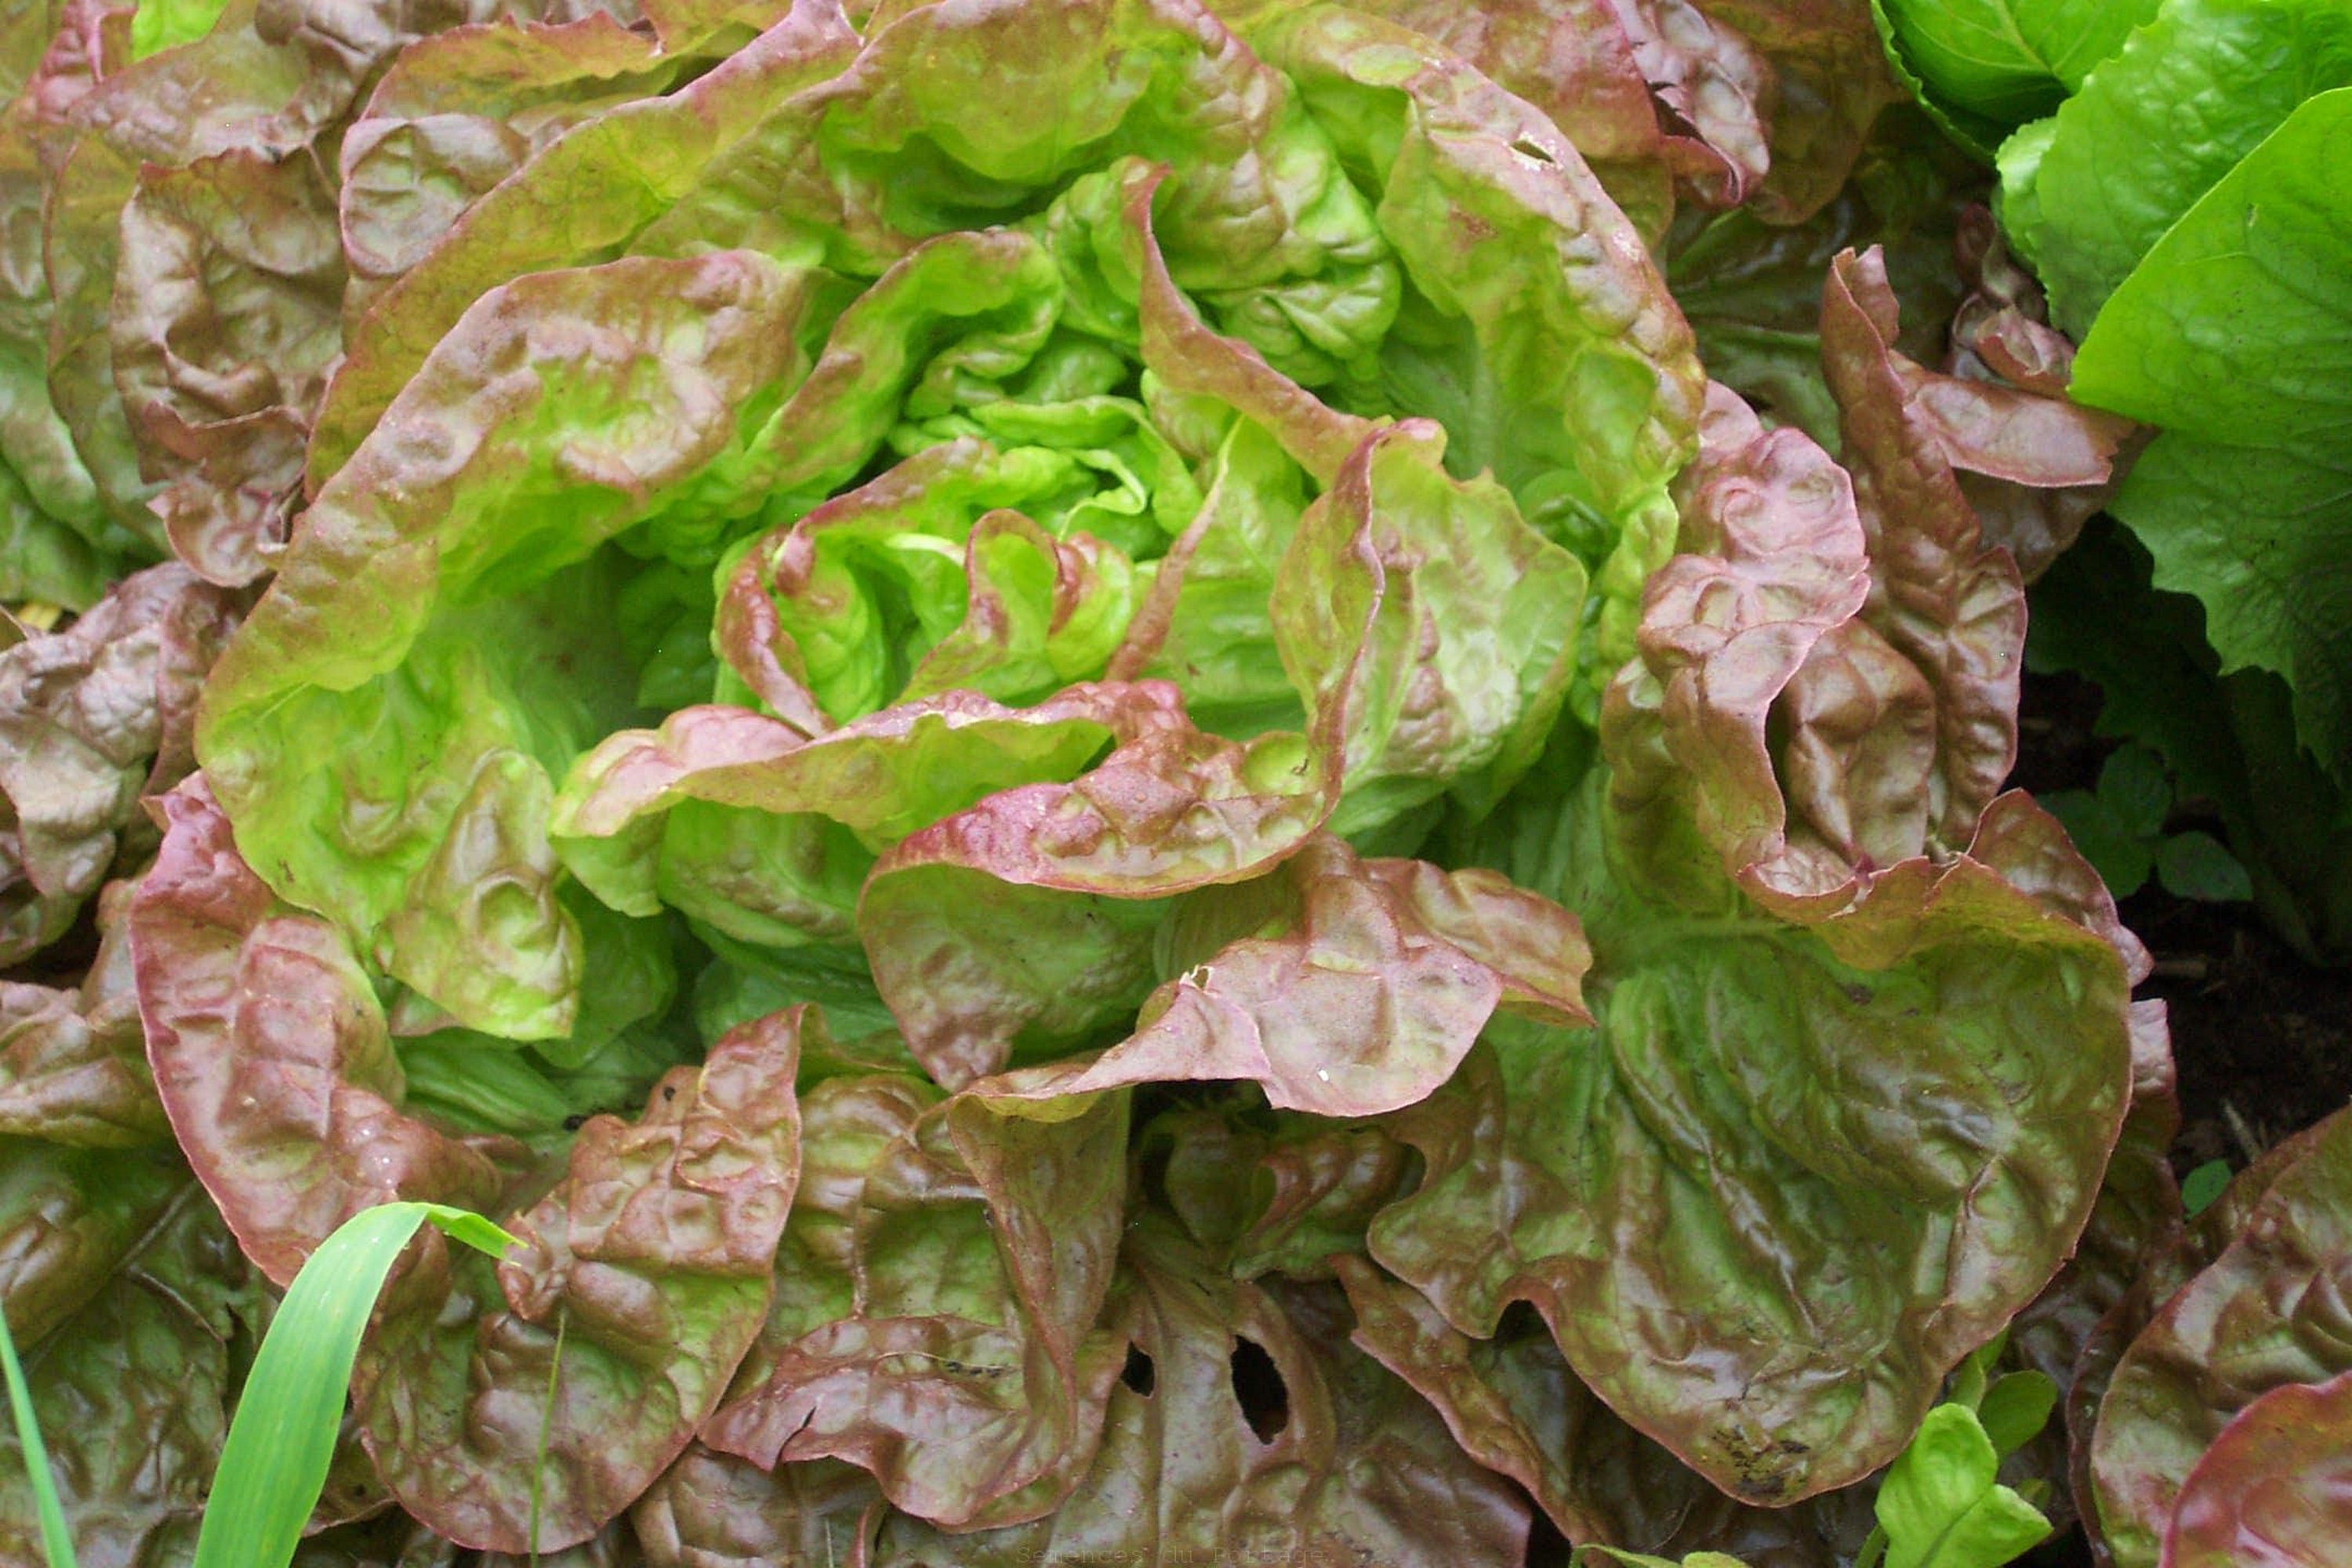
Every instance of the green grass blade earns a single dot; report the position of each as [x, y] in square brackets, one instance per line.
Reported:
[282, 1439]
[55, 1537]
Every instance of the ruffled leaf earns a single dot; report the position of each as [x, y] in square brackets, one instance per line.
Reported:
[939, 1328]
[2260, 1316]
[91, 717]
[1244, 1430]
[272, 1055]
[641, 1279]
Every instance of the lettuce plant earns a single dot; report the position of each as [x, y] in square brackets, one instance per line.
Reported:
[1066, 744]
[2174, 201]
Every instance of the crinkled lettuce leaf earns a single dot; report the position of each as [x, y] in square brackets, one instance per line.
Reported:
[134, 1390]
[937, 1316]
[91, 717]
[1241, 1427]
[2273, 1488]
[1765, 916]
[641, 1279]
[2259, 1317]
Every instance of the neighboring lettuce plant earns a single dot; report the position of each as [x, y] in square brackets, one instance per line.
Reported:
[2180, 201]
[2219, 1437]
[1067, 743]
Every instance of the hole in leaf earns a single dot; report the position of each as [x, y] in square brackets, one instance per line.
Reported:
[1139, 1373]
[1547, 1547]
[1526, 148]
[1258, 1386]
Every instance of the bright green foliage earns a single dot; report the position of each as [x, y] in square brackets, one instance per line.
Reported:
[163, 23]
[2230, 335]
[1985, 65]
[1941, 1506]
[2201, 1186]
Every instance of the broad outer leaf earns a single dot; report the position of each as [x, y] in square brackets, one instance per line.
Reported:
[650, 1263]
[271, 1053]
[2137, 1222]
[90, 719]
[1246, 1432]
[67, 1217]
[1739, 1115]
[1513, 1405]
[2275, 1489]
[1373, 983]
[974, 1244]
[2266, 1313]
[2227, 335]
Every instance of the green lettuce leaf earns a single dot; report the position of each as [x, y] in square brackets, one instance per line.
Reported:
[2227, 335]
[2157, 127]
[577, 199]
[2008, 61]
[1543, 339]
[446, 596]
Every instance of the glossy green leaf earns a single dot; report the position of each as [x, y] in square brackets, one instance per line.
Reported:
[2227, 336]
[2010, 61]
[2202, 1185]
[2157, 127]
[1941, 1506]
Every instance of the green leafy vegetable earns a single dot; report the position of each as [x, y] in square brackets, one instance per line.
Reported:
[1413, 902]
[2252, 410]
[1942, 1508]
